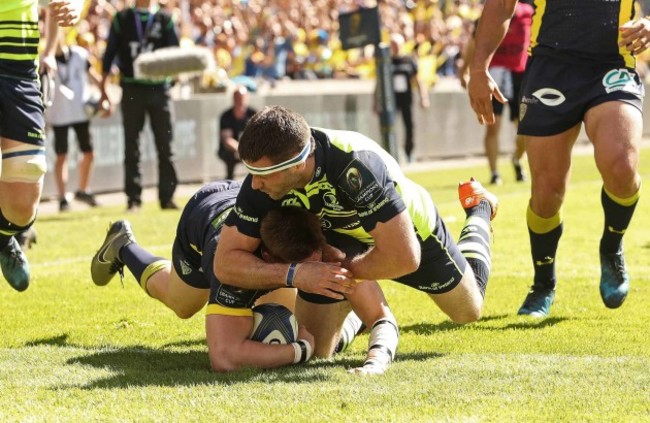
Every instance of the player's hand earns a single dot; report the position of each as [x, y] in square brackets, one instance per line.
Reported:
[332, 254]
[635, 35]
[47, 64]
[481, 89]
[66, 12]
[328, 279]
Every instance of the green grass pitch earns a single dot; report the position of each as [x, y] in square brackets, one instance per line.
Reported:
[71, 351]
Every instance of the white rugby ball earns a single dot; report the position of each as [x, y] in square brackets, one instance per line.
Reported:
[274, 324]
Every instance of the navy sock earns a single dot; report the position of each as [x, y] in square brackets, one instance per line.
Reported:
[140, 262]
[617, 219]
[543, 248]
[8, 229]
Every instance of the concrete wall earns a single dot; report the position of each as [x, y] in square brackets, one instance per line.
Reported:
[448, 129]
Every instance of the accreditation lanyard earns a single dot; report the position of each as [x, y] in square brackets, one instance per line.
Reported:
[142, 33]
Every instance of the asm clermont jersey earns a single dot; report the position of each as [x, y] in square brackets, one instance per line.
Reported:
[581, 30]
[356, 184]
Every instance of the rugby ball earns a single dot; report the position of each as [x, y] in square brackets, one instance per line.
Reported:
[274, 324]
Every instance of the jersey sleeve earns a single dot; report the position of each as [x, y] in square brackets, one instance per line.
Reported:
[366, 183]
[251, 206]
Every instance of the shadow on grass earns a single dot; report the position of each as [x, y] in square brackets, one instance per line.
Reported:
[167, 366]
[529, 323]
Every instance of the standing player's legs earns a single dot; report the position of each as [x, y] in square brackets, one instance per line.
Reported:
[61, 164]
[409, 128]
[549, 159]
[82, 130]
[615, 129]
[23, 168]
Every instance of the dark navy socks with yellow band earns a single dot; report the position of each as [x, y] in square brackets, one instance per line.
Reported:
[142, 263]
[544, 236]
[618, 213]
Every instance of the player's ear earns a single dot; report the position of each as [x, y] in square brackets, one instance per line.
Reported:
[267, 257]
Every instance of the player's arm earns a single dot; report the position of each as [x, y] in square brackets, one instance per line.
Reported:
[228, 140]
[492, 28]
[396, 251]
[47, 61]
[236, 264]
[230, 349]
[112, 46]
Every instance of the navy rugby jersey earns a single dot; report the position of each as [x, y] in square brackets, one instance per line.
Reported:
[581, 30]
[356, 184]
[19, 38]
[205, 214]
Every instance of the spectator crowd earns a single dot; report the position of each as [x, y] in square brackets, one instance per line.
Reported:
[299, 39]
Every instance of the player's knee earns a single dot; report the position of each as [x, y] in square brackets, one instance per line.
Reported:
[184, 313]
[468, 315]
[24, 164]
[220, 361]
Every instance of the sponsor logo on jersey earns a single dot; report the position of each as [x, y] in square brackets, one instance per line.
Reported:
[621, 80]
[353, 178]
[549, 96]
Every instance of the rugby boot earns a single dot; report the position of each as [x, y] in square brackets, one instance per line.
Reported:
[471, 193]
[106, 262]
[15, 267]
[538, 302]
[614, 280]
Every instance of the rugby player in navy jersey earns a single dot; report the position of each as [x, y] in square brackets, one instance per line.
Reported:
[581, 69]
[187, 283]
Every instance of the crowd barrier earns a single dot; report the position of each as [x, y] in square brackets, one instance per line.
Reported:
[448, 129]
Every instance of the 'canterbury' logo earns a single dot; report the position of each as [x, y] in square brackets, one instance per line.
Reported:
[545, 261]
[549, 96]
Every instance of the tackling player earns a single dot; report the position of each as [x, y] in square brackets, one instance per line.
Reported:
[358, 191]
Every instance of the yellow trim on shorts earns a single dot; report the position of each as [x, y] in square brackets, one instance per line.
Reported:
[623, 17]
[625, 202]
[541, 225]
[151, 270]
[228, 311]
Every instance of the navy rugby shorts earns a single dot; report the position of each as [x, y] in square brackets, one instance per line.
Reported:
[21, 111]
[555, 94]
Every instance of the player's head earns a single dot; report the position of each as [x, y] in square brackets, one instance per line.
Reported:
[291, 235]
[275, 148]
[275, 133]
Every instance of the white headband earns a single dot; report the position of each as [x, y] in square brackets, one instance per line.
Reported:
[300, 158]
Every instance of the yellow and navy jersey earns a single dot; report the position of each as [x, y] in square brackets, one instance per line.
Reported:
[356, 184]
[19, 37]
[203, 217]
[581, 30]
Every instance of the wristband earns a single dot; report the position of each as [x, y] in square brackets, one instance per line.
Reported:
[291, 274]
[302, 351]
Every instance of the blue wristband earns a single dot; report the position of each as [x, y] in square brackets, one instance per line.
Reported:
[291, 274]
